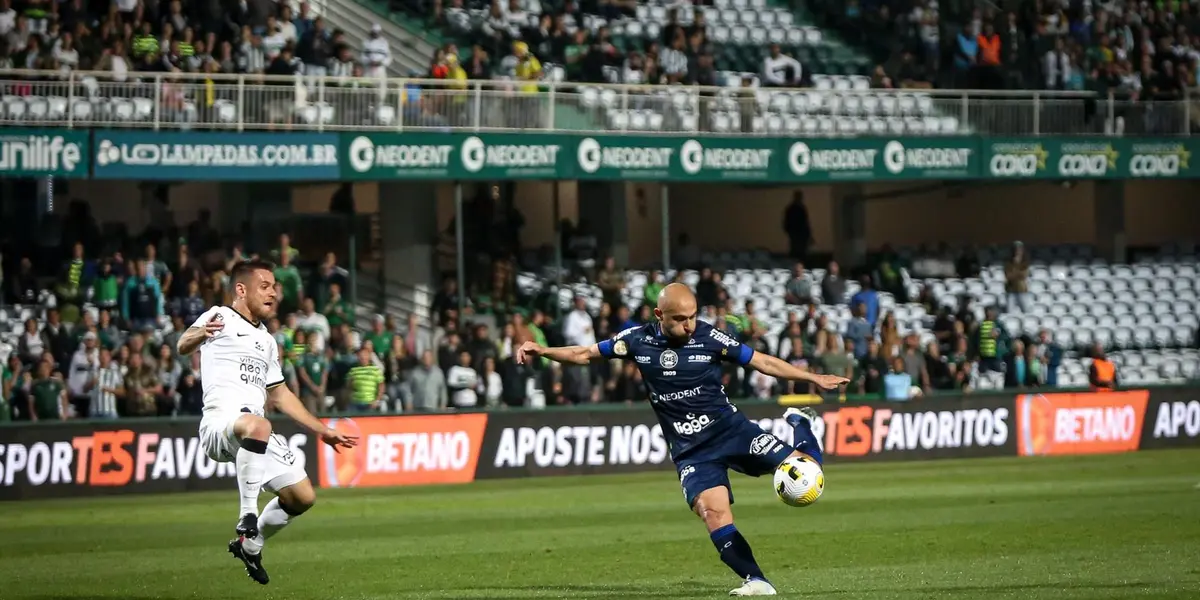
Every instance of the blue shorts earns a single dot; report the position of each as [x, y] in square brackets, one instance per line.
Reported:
[744, 447]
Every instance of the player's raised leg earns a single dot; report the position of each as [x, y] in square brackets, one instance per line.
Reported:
[804, 440]
[292, 501]
[713, 507]
[252, 432]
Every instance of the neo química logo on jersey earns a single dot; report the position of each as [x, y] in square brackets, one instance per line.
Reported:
[44, 154]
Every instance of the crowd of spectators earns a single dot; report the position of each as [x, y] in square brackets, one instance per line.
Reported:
[172, 36]
[1136, 50]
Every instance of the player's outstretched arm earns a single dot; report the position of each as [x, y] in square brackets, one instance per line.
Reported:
[197, 335]
[576, 355]
[769, 365]
[287, 403]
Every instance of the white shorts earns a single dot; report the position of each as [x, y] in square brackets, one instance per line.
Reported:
[220, 444]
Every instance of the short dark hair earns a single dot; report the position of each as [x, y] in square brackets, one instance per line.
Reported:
[243, 270]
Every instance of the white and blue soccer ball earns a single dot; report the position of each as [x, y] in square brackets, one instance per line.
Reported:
[799, 481]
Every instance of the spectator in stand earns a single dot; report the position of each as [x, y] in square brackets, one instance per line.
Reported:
[82, 367]
[491, 386]
[833, 285]
[366, 382]
[1016, 280]
[966, 49]
[990, 342]
[376, 53]
[57, 339]
[799, 289]
[47, 395]
[578, 331]
[889, 336]
[312, 374]
[1050, 354]
[462, 379]
[141, 302]
[897, 383]
[611, 281]
[429, 391]
[869, 298]
[838, 357]
[780, 70]
[313, 321]
[142, 387]
[1102, 374]
[105, 387]
[859, 330]
[797, 227]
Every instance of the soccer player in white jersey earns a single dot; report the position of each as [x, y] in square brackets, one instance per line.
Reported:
[240, 362]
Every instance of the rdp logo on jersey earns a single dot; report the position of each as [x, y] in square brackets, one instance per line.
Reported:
[404, 451]
[1158, 160]
[1080, 423]
[1017, 159]
[1087, 159]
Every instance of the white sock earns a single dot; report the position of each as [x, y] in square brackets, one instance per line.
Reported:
[272, 520]
[250, 467]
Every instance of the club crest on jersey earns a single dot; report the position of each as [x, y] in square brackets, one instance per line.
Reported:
[258, 346]
[668, 359]
[620, 348]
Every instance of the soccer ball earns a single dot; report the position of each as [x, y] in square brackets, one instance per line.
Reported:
[799, 481]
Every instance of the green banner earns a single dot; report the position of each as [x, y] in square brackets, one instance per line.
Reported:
[729, 159]
[44, 152]
[871, 159]
[1100, 158]
[627, 157]
[457, 156]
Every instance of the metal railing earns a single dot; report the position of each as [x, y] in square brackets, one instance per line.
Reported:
[255, 102]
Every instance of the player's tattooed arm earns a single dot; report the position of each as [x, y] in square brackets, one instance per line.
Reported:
[195, 336]
[577, 355]
[769, 365]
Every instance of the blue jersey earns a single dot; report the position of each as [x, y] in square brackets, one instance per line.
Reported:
[684, 379]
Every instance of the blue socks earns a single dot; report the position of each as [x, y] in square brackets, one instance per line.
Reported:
[735, 552]
[803, 439]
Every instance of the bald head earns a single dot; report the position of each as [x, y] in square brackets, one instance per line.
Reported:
[676, 310]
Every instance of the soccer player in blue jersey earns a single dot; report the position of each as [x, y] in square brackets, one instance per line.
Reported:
[679, 358]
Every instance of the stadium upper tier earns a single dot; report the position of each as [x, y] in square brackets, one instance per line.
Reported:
[1146, 312]
[835, 106]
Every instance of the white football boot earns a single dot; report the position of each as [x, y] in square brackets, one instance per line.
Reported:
[806, 412]
[754, 587]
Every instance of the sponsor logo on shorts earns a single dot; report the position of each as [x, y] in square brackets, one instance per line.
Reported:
[688, 470]
[762, 444]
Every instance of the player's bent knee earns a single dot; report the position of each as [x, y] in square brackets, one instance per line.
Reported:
[712, 506]
[297, 499]
[253, 427]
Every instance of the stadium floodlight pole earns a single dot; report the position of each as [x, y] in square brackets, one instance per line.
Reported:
[460, 258]
[665, 197]
[558, 251]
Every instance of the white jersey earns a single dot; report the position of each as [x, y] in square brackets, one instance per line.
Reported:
[240, 363]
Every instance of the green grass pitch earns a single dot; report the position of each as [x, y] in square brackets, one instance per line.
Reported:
[1121, 526]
